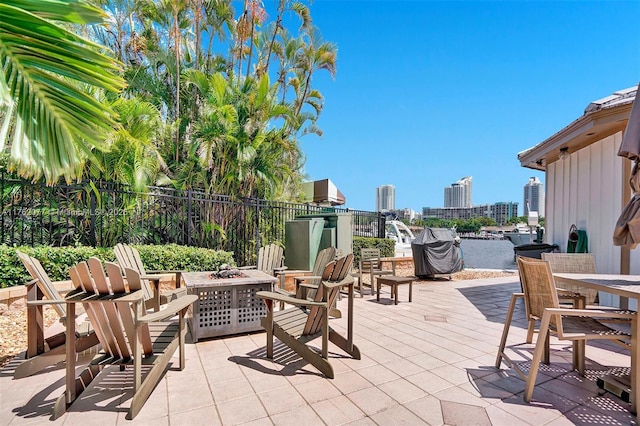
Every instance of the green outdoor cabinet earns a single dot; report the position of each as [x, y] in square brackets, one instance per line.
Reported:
[340, 225]
[302, 242]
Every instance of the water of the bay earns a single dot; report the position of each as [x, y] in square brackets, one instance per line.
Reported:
[488, 254]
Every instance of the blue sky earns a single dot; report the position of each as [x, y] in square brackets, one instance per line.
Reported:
[427, 92]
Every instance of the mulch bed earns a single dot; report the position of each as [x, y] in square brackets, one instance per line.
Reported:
[13, 329]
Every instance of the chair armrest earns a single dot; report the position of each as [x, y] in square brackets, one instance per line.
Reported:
[564, 292]
[46, 302]
[307, 285]
[348, 280]
[280, 269]
[591, 313]
[283, 292]
[247, 267]
[171, 309]
[152, 277]
[164, 272]
[300, 279]
[288, 299]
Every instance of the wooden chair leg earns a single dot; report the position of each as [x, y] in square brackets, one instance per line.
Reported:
[635, 364]
[541, 347]
[325, 335]
[579, 353]
[268, 326]
[530, 330]
[507, 324]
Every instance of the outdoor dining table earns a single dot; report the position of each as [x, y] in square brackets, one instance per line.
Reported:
[627, 287]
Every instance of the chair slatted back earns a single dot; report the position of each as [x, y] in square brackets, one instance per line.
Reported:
[538, 286]
[324, 257]
[334, 272]
[128, 316]
[114, 320]
[574, 263]
[44, 283]
[96, 312]
[370, 259]
[92, 313]
[129, 257]
[270, 258]
[110, 309]
[343, 266]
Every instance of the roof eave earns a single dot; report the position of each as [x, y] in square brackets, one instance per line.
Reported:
[584, 131]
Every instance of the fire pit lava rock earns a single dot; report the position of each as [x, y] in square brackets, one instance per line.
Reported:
[226, 271]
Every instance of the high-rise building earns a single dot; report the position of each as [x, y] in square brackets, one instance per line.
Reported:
[533, 197]
[459, 193]
[385, 198]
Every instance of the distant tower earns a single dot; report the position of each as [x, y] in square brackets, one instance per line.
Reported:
[534, 197]
[459, 193]
[385, 198]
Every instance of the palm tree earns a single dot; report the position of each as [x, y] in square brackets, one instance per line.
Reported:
[299, 9]
[218, 16]
[315, 55]
[134, 158]
[241, 150]
[47, 71]
[170, 15]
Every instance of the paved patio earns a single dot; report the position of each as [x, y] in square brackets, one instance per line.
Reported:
[426, 362]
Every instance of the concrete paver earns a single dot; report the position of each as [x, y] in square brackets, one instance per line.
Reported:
[425, 362]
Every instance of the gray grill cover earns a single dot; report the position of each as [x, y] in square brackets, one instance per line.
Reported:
[435, 251]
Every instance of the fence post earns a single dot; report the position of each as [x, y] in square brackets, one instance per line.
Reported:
[189, 199]
[92, 218]
[258, 242]
[382, 225]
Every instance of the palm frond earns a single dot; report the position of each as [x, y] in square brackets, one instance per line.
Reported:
[55, 122]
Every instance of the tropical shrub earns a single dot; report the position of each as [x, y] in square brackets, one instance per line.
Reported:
[387, 246]
[57, 260]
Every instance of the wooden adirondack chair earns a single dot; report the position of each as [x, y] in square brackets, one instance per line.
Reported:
[126, 331]
[371, 265]
[44, 351]
[307, 320]
[307, 284]
[270, 259]
[128, 257]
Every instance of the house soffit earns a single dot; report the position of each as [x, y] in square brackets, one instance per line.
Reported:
[602, 118]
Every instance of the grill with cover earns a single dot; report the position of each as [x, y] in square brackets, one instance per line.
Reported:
[436, 251]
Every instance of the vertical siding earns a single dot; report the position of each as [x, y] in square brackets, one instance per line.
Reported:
[586, 190]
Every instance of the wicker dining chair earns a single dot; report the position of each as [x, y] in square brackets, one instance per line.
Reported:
[584, 263]
[577, 325]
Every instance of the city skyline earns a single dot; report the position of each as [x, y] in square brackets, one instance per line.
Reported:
[464, 187]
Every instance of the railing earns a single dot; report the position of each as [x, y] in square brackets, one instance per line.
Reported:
[101, 214]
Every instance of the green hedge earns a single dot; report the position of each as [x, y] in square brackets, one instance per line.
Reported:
[386, 245]
[57, 260]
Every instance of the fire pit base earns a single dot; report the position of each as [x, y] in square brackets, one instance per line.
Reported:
[226, 305]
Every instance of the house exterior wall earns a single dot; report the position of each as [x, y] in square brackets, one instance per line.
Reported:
[586, 189]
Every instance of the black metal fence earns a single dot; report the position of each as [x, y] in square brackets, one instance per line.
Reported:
[101, 214]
